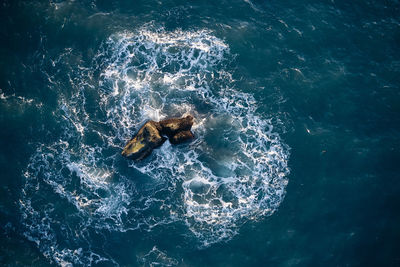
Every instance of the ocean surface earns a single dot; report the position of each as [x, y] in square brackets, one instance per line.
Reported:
[296, 158]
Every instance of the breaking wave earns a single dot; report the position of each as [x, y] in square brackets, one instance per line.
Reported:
[76, 187]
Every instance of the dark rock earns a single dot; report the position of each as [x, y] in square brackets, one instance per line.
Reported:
[170, 127]
[143, 143]
[150, 136]
[181, 137]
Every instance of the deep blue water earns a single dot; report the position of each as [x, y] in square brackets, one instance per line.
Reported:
[297, 123]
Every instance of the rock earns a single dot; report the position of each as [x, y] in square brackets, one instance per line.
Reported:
[151, 136]
[170, 127]
[143, 143]
[181, 137]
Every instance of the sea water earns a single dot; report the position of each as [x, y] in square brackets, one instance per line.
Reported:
[296, 129]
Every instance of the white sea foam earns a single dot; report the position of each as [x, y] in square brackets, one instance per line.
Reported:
[18, 101]
[156, 257]
[234, 171]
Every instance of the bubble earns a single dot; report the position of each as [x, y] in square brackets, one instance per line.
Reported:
[234, 171]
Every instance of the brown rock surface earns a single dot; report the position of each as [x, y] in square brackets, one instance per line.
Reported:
[181, 137]
[170, 127]
[147, 138]
[150, 136]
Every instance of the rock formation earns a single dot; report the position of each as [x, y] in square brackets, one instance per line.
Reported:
[170, 127]
[147, 138]
[151, 136]
[181, 137]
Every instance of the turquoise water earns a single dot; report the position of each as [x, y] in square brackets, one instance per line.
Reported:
[295, 161]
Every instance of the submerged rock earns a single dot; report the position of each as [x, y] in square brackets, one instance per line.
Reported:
[151, 136]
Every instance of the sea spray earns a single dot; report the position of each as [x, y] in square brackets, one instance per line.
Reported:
[235, 171]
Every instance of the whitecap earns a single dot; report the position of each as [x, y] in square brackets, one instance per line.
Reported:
[234, 171]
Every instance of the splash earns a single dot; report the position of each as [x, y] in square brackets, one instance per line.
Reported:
[235, 171]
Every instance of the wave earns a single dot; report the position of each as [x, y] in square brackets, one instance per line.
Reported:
[234, 171]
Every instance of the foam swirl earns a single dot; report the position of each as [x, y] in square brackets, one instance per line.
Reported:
[236, 169]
